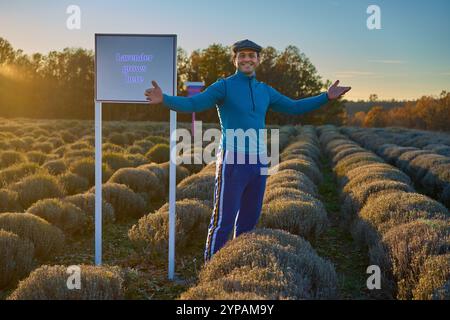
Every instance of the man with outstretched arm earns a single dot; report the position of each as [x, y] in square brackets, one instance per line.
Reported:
[242, 103]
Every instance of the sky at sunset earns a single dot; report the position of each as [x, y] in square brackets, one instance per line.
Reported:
[405, 59]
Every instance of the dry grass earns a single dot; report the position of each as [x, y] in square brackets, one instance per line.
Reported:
[151, 234]
[18, 171]
[370, 172]
[36, 187]
[73, 183]
[292, 178]
[16, 257]
[86, 202]
[50, 283]
[355, 198]
[9, 157]
[116, 160]
[65, 215]
[281, 193]
[434, 281]
[197, 186]
[159, 153]
[308, 168]
[47, 239]
[126, 203]
[284, 267]
[304, 218]
[55, 167]
[355, 160]
[9, 201]
[391, 209]
[85, 168]
[139, 180]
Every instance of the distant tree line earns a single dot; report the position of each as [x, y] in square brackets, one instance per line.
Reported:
[61, 84]
[427, 113]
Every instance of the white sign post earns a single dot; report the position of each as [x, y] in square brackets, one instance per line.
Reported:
[125, 65]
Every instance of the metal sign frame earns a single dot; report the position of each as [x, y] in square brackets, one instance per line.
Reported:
[98, 156]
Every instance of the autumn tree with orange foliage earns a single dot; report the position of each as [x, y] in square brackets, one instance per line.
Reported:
[427, 113]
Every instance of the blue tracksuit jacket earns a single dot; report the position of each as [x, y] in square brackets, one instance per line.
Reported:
[242, 103]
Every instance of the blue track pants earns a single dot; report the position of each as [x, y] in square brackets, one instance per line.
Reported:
[238, 195]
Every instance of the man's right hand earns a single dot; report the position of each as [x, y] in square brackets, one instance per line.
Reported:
[154, 95]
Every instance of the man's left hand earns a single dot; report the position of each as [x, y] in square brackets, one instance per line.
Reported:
[335, 92]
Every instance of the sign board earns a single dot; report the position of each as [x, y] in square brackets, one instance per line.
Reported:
[125, 65]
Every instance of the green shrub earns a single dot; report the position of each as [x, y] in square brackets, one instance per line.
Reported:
[8, 158]
[50, 283]
[86, 202]
[345, 152]
[137, 159]
[157, 139]
[198, 186]
[308, 168]
[403, 161]
[151, 234]
[47, 239]
[355, 160]
[303, 147]
[56, 142]
[294, 179]
[16, 257]
[391, 154]
[86, 168]
[37, 157]
[126, 203]
[9, 201]
[366, 174]
[355, 198]
[157, 170]
[18, 144]
[136, 150]
[36, 187]
[436, 180]
[65, 215]
[159, 153]
[80, 145]
[67, 136]
[73, 155]
[139, 180]
[288, 269]
[243, 283]
[73, 183]
[277, 193]
[111, 147]
[434, 281]
[119, 139]
[445, 196]
[307, 219]
[422, 164]
[45, 147]
[181, 172]
[388, 210]
[55, 167]
[144, 144]
[116, 160]
[409, 246]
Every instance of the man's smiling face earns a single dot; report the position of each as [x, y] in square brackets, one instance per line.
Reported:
[246, 61]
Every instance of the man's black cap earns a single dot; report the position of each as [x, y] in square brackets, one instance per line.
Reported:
[245, 44]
